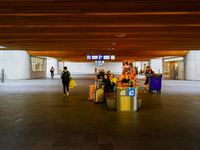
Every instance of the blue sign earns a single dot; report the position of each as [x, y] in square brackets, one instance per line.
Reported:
[89, 57]
[131, 92]
[100, 57]
[95, 57]
[106, 57]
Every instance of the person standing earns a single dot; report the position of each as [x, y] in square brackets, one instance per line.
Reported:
[52, 71]
[95, 69]
[147, 73]
[65, 76]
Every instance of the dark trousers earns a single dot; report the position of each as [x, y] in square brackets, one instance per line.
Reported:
[52, 74]
[147, 81]
[65, 85]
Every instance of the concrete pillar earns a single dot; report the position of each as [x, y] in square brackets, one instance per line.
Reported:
[139, 65]
[52, 62]
[157, 65]
[16, 64]
[192, 65]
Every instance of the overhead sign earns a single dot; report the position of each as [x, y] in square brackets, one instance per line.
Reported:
[89, 57]
[100, 57]
[112, 57]
[95, 57]
[106, 57]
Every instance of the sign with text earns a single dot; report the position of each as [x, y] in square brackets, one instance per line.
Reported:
[95, 57]
[106, 57]
[100, 57]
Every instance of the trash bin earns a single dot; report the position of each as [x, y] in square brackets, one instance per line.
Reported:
[155, 82]
[126, 101]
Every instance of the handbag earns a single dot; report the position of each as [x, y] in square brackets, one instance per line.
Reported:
[72, 83]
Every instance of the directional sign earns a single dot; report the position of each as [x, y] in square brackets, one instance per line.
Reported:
[100, 57]
[89, 57]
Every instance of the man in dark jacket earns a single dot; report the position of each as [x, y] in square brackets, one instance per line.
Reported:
[147, 73]
[65, 76]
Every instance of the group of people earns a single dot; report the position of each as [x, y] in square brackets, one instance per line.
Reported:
[107, 79]
[127, 79]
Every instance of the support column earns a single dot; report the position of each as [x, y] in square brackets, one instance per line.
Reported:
[192, 67]
[52, 62]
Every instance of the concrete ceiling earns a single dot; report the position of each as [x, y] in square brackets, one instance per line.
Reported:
[71, 29]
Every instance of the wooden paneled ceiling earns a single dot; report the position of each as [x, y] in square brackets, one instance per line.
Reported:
[70, 29]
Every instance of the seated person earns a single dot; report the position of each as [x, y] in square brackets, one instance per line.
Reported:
[125, 81]
[122, 76]
[98, 76]
[102, 74]
[130, 81]
[113, 81]
[108, 86]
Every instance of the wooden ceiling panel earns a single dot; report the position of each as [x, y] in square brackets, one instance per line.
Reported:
[69, 30]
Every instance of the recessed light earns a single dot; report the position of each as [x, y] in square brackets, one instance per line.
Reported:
[3, 47]
[110, 49]
[120, 35]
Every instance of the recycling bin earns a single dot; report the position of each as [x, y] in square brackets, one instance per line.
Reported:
[155, 82]
[126, 99]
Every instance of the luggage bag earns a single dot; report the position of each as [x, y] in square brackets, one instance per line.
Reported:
[98, 95]
[92, 87]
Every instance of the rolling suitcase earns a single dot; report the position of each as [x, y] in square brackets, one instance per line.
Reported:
[92, 87]
[99, 95]
[94, 94]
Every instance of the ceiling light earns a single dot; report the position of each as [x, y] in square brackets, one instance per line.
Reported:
[120, 35]
[3, 47]
[110, 49]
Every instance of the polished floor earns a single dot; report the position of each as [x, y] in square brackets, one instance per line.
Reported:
[34, 115]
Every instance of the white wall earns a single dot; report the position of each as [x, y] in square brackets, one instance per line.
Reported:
[139, 65]
[52, 62]
[17, 65]
[156, 65]
[88, 68]
[192, 67]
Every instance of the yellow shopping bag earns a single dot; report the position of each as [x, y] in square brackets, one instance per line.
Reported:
[72, 83]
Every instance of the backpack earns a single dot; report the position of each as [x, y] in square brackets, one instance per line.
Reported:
[65, 76]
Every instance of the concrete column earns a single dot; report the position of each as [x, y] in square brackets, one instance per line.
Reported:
[16, 64]
[52, 62]
[139, 65]
[157, 65]
[192, 67]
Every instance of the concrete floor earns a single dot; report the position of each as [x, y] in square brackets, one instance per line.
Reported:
[34, 115]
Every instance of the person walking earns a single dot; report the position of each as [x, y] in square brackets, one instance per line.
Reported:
[52, 71]
[65, 76]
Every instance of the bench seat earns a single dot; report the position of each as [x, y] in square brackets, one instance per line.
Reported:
[111, 99]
